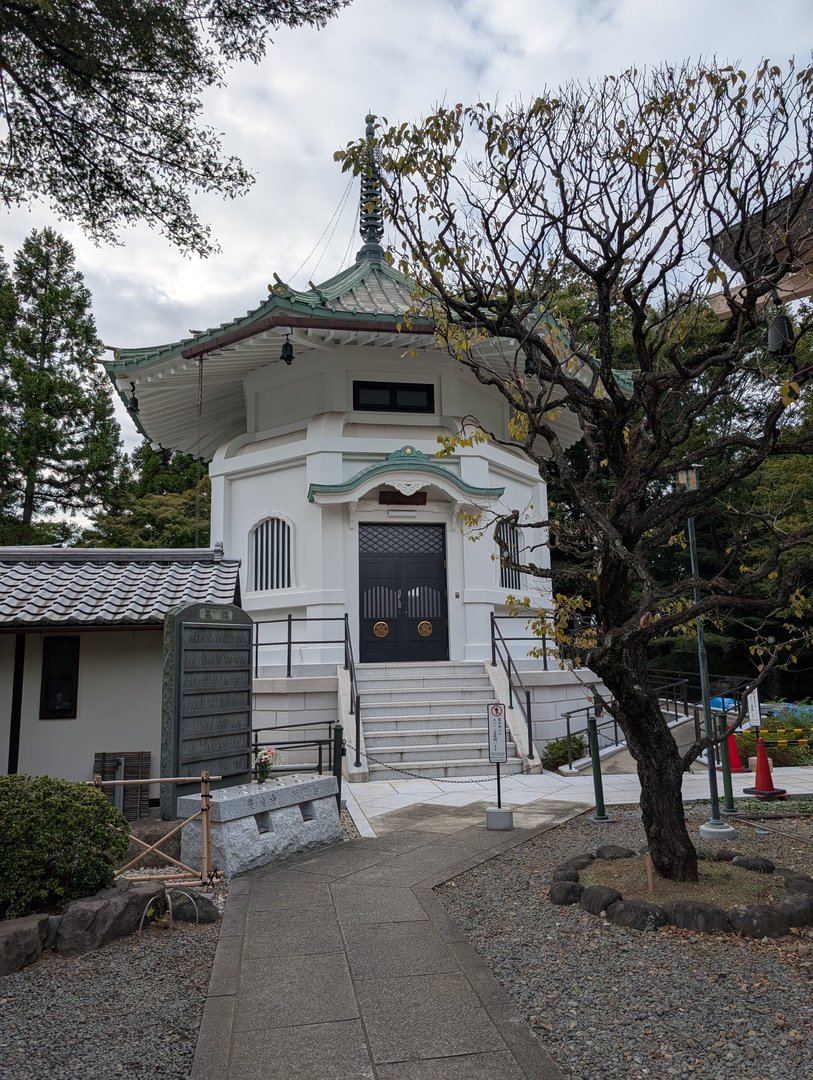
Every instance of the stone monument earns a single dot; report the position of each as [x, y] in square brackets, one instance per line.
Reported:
[206, 698]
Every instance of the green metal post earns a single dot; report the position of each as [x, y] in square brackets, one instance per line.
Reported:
[725, 763]
[592, 741]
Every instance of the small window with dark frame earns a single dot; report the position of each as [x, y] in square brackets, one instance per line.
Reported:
[393, 397]
[60, 678]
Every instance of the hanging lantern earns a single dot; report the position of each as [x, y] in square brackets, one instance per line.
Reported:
[132, 404]
[287, 354]
[780, 335]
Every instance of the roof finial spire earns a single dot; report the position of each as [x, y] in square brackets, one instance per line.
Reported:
[371, 212]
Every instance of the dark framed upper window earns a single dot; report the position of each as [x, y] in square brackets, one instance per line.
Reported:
[59, 691]
[393, 397]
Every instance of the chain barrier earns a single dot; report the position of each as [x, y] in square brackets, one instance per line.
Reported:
[440, 779]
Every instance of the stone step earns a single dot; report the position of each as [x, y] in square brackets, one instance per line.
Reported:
[385, 710]
[440, 667]
[473, 767]
[446, 736]
[427, 724]
[433, 755]
[422, 695]
[397, 683]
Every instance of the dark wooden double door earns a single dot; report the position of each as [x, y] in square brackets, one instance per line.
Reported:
[402, 602]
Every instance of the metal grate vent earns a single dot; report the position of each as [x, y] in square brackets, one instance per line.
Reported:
[401, 539]
[509, 535]
[270, 553]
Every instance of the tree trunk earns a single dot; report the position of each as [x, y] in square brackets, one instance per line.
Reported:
[660, 767]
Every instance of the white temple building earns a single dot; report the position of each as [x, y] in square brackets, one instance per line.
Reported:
[319, 413]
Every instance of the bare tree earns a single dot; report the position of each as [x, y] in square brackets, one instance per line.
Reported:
[651, 190]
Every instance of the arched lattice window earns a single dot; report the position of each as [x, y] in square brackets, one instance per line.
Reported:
[509, 535]
[269, 547]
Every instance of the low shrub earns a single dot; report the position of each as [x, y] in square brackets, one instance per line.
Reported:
[781, 756]
[555, 753]
[58, 840]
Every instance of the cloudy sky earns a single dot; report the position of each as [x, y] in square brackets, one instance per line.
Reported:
[395, 58]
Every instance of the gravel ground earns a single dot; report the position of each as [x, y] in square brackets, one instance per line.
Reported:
[616, 1004]
[132, 1008]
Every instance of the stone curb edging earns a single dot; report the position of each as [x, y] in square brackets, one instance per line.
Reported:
[754, 920]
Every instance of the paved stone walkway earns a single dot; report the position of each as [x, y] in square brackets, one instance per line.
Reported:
[343, 965]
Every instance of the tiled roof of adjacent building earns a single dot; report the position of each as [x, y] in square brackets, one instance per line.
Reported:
[46, 586]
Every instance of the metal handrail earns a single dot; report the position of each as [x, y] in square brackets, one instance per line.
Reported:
[289, 640]
[355, 700]
[334, 742]
[349, 659]
[509, 666]
[588, 710]
[525, 637]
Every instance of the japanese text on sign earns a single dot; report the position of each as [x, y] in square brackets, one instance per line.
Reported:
[497, 748]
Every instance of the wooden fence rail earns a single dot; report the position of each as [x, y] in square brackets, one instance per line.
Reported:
[187, 875]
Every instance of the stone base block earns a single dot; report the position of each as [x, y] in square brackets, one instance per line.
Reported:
[499, 818]
[255, 824]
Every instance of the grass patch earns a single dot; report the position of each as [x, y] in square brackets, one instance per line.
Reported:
[720, 883]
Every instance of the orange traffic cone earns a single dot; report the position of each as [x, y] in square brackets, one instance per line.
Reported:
[763, 785]
[734, 759]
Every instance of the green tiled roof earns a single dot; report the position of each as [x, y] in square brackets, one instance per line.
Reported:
[370, 290]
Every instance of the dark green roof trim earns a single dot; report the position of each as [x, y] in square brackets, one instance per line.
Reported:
[405, 458]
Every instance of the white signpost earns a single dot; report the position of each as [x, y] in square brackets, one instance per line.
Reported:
[754, 715]
[497, 745]
[497, 755]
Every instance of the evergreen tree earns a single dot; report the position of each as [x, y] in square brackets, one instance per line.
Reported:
[100, 105]
[162, 502]
[60, 448]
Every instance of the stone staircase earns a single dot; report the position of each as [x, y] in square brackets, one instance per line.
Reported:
[428, 719]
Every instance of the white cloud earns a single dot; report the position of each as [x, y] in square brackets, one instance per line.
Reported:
[287, 116]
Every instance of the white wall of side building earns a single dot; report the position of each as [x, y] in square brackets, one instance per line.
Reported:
[118, 705]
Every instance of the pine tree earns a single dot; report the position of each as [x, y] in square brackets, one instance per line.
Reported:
[60, 447]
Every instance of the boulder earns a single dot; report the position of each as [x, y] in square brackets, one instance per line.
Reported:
[565, 873]
[799, 884]
[580, 862]
[727, 855]
[193, 906]
[565, 892]
[597, 898]
[798, 908]
[92, 921]
[21, 942]
[612, 851]
[692, 915]
[636, 914]
[754, 862]
[784, 872]
[759, 921]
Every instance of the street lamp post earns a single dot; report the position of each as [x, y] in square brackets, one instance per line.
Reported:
[715, 828]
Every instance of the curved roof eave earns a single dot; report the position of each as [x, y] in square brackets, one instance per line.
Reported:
[407, 459]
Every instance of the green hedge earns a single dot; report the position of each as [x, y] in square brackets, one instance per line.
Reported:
[58, 840]
[781, 756]
[555, 753]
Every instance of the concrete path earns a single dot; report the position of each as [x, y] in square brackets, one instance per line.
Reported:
[374, 802]
[344, 966]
